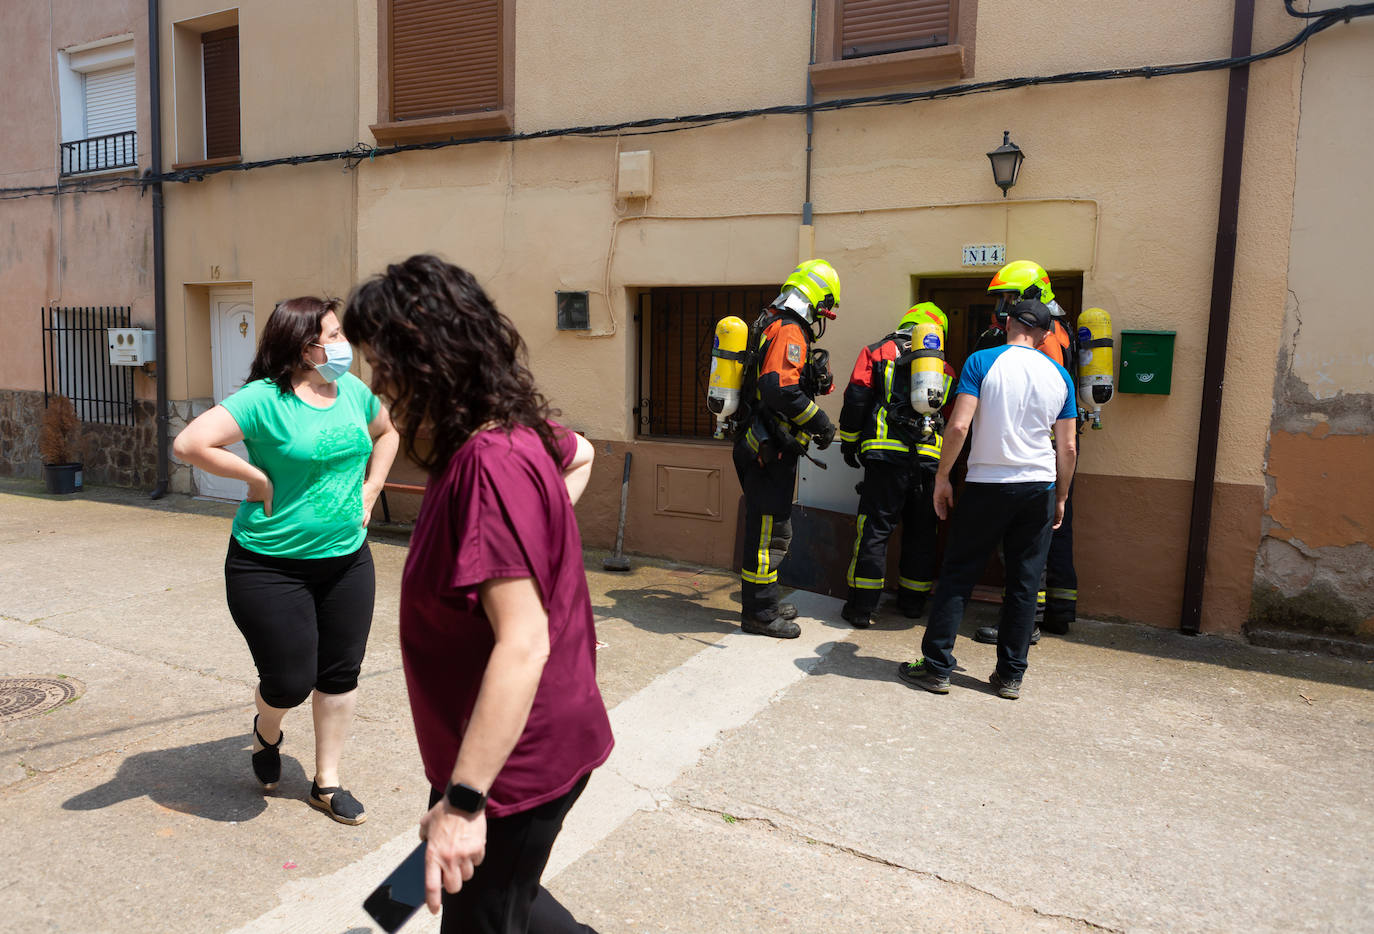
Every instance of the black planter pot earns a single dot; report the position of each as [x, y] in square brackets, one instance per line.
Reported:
[62, 478]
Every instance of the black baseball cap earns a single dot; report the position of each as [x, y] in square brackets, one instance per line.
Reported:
[1031, 313]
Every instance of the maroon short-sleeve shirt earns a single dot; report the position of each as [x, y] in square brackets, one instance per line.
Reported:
[501, 509]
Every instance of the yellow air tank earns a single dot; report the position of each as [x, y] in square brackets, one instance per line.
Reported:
[1095, 361]
[727, 370]
[927, 370]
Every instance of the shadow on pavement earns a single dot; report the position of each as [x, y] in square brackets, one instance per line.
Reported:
[663, 610]
[210, 780]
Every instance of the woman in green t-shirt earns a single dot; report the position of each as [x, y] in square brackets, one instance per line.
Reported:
[299, 575]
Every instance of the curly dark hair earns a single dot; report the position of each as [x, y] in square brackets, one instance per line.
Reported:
[447, 360]
[293, 326]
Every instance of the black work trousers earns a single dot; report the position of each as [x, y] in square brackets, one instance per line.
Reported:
[504, 895]
[1021, 517]
[894, 491]
[768, 489]
[1061, 580]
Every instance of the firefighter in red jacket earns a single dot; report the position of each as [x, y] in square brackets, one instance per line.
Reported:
[880, 432]
[784, 420]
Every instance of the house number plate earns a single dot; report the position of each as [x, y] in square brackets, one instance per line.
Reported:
[985, 254]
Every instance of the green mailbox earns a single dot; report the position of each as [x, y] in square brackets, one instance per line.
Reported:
[1147, 362]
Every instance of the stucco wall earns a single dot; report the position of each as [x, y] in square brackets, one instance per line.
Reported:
[1313, 570]
[75, 249]
[1121, 185]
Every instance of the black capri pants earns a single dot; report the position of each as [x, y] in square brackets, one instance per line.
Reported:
[306, 620]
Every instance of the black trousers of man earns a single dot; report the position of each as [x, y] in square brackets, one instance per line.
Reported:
[1021, 517]
[768, 491]
[1061, 580]
[894, 491]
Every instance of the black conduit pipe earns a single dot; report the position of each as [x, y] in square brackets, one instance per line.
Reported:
[1218, 324]
[159, 289]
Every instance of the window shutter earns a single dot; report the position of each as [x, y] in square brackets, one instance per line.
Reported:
[220, 64]
[876, 27]
[110, 101]
[445, 57]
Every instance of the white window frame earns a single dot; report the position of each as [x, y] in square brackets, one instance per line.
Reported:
[73, 64]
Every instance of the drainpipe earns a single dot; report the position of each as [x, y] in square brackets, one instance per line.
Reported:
[159, 289]
[810, 120]
[1218, 325]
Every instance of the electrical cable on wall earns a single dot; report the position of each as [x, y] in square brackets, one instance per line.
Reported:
[1318, 21]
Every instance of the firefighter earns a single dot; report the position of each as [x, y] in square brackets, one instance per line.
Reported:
[898, 448]
[787, 375]
[1059, 596]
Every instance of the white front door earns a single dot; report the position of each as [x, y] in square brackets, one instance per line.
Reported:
[233, 341]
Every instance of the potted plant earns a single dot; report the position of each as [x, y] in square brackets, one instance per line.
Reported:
[58, 437]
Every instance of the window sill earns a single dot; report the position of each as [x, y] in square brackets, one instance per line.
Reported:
[99, 173]
[206, 163]
[946, 61]
[429, 129]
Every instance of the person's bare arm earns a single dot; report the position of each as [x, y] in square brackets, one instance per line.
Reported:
[956, 433]
[1065, 461]
[202, 444]
[576, 474]
[385, 442]
[457, 840]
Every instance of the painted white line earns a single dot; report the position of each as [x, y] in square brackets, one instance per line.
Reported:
[660, 731]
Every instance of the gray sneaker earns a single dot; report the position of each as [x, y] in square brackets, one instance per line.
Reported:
[918, 675]
[1010, 689]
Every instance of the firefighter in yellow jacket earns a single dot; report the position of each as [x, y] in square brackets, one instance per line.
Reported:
[899, 452]
[787, 375]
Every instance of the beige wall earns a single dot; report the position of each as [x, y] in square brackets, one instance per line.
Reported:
[1121, 184]
[78, 249]
[1313, 567]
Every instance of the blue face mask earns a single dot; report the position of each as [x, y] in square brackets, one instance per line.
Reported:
[338, 357]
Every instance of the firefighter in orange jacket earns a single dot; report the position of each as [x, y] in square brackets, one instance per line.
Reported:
[788, 375]
[880, 432]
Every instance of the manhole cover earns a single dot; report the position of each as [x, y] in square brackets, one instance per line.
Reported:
[25, 697]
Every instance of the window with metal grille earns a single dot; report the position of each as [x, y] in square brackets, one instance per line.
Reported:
[99, 107]
[220, 81]
[677, 328]
[76, 363]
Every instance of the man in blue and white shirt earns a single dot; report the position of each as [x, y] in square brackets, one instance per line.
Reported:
[1015, 491]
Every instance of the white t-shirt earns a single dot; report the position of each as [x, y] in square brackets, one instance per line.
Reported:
[1021, 393]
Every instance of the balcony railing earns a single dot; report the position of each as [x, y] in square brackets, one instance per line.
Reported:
[111, 151]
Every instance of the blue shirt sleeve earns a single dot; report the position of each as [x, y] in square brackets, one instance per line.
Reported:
[1070, 409]
[975, 368]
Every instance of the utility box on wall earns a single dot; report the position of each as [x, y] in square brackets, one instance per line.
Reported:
[131, 346]
[1147, 362]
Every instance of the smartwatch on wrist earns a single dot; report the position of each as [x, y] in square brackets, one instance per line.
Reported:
[465, 798]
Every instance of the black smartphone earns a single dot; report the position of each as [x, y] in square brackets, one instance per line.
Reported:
[393, 902]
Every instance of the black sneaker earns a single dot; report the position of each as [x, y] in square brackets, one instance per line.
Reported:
[855, 618]
[787, 610]
[918, 675]
[988, 635]
[778, 628]
[1010, 689]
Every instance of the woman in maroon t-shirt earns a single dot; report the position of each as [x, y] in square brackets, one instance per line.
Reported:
[496, 622]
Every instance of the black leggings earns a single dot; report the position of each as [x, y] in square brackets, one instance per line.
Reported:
[504, 895]
[306, 619]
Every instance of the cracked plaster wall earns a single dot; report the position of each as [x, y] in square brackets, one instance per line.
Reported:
[1315, 568]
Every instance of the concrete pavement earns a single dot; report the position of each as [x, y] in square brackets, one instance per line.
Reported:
[1145, 781]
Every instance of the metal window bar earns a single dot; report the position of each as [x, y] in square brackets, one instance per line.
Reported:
[76, 362]
[98, 153]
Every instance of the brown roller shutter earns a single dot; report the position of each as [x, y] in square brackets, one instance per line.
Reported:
[220, 62]
[445, 57]
[875, 27]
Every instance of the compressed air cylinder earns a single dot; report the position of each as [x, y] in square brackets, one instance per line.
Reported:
[1095, 361]
[928, 372]
[727, 370]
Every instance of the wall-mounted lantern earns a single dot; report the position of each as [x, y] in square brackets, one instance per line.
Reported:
[1006, 162]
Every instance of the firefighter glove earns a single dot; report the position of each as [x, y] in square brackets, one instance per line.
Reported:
[825, 436]
[850, 450]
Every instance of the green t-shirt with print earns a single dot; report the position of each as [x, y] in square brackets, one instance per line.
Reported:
[316, 459]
